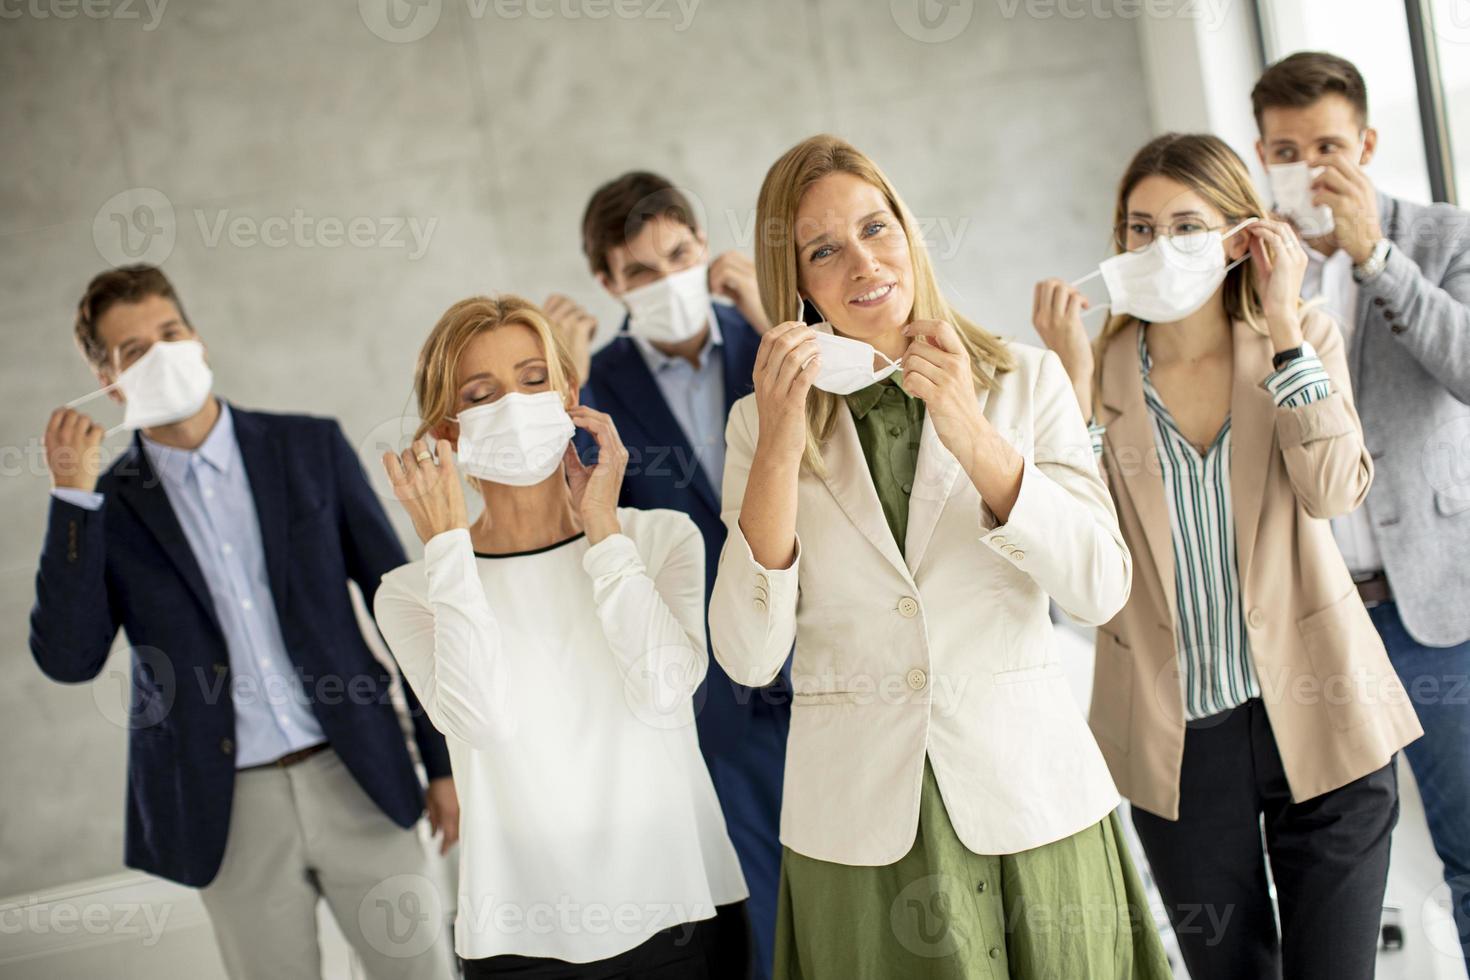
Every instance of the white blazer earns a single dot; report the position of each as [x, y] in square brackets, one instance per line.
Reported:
[945, 649]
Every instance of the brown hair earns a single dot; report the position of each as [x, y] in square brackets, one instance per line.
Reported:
[124, 284]
[775, 266]
[1301, 79]
[620, 208]
[1209, 167]
[433, 375]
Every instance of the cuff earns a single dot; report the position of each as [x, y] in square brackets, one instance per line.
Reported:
[1095, 433]
[767, 582]
[449, 562]
[85, 499]
[1006, 539]
[1299, 381]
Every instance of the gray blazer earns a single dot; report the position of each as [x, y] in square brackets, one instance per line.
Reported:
[1409, 360]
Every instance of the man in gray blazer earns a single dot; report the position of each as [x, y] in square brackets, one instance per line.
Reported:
[1397, 277]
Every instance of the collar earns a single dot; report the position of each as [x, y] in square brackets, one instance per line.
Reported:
[217, 449]
[658, 361]
[862, 401]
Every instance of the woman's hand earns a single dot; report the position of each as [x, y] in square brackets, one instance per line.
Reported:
[936, 369]
[428, 488]
[1281, 264]
[1056, 313]
[786, 364]
[595, 489]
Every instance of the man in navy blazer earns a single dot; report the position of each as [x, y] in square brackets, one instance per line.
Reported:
[266, 763]
[668, 380]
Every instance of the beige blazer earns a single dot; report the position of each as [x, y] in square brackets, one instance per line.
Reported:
[944, 649]
[1336, 706]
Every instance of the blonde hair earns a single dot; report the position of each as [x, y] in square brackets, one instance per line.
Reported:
[1208, 166]
[775, 266]
[438, 362]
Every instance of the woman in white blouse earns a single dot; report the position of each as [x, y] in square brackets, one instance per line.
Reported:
[557, 641]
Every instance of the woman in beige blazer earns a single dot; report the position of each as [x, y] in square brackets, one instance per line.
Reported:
[1243, 681]
[946, 812]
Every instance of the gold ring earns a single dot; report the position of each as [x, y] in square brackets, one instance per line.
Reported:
[425, 455]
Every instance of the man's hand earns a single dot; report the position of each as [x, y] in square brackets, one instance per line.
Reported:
[732, 275]
[442, 803]
[576, 327]
[1345, 188]
[73, 450]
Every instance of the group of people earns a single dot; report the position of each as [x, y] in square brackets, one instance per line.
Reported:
[744, 664]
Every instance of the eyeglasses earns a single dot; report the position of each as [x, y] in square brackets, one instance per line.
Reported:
[1188, 234]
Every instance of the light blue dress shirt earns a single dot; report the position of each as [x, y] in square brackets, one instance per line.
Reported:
[696, 397]
[209, 491]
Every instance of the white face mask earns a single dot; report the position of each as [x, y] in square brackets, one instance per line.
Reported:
[1169, 279]
[517, 440]
[847, 364]
[169, 383]
[673, 309]
[1291, 189]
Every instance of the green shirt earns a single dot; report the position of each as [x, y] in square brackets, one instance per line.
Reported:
[889, 423]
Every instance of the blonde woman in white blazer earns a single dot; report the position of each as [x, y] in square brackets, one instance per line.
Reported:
[946, 811]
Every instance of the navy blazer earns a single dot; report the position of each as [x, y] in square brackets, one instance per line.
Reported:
[129, 565]
[659, 453]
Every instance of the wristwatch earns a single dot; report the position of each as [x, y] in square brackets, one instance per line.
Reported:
[1282, 358]
[1374, 263]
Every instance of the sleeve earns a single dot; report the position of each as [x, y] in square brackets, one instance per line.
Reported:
[1063, 530]
[1431, 321]
[654, 624]
[752, 610]
[1095, 433]
[371, 549]
[448, 644]
[73, 620]
[1299, 381]
[1321, 439]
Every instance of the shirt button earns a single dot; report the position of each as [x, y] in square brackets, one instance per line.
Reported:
[227, 549]
[980, 888]
[995, 952]
[908, 488]
[1378, 301]
[1256, 618]
[246, 604]
[917, 679]
[894, 430]
[208, 493]
[908, 607]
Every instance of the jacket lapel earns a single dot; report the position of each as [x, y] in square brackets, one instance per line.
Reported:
[1130, 440]
[1252, 437]
[267, 475]
[142, 490]
[850, 483]
[633, 386]
[937, 474]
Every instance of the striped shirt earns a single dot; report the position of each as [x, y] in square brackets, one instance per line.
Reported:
[1215, 667]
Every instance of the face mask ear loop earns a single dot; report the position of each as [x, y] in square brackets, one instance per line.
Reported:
[1247, 221]
[89, 396]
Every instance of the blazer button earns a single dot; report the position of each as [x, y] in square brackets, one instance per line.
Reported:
[1017, 554]
[917, 679]
[761, 582]
[220, 670]
[760, 604]
[907, 607]
[1256, 618]
[227, 746]
[1397, 328]
[1378, 300]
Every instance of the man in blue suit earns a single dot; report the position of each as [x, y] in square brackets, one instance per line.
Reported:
[668, 380]
[266, 763]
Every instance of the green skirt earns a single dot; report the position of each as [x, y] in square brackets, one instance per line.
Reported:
[1073, 909]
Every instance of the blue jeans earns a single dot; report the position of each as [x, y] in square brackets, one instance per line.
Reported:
[1438, 682]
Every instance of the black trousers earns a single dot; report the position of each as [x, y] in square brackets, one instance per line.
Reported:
[1329, 859]
[711, 949]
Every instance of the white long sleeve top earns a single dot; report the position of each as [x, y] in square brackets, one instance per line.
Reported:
[563, 681]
